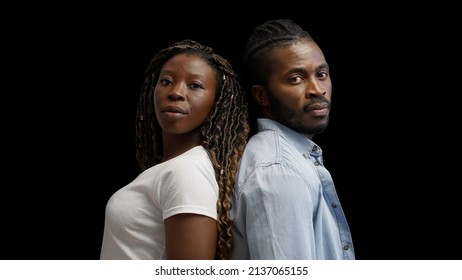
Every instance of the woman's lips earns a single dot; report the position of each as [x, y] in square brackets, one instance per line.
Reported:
[174, 111]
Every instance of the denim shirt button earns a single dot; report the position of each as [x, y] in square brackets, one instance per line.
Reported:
[334, 205]
[346, 247]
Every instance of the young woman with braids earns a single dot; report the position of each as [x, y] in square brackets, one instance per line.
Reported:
[285, 204]
[191, 128]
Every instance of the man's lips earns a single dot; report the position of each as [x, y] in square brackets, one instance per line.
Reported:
[318, 109]
[318, 106]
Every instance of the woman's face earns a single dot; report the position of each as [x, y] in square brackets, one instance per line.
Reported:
[184, 94]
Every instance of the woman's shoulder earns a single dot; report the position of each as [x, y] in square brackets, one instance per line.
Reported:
[189, 161]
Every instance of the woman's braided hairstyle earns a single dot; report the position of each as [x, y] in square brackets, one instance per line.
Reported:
[224, 132]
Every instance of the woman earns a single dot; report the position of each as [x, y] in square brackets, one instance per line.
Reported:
[191, 129]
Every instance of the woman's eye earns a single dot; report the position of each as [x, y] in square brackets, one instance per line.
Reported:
[165, 82]
[196, 86]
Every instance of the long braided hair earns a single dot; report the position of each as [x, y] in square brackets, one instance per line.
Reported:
[256, 59]
[224, 132]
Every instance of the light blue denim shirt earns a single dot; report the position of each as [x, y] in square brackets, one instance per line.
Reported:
[285, 206]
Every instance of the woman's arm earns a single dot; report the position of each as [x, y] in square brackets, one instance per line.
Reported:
[190, 236]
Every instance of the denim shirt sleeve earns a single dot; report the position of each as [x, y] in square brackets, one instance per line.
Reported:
[281, 227]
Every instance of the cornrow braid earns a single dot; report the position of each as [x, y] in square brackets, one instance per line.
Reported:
[256, 62]
[224, 132]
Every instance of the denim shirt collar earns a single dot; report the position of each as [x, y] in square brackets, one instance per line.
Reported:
[302, 143]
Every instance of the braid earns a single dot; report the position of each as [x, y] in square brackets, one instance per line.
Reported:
[224, 132]
[256, 62]
[225, 136]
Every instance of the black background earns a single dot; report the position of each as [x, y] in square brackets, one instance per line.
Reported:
[72, 77]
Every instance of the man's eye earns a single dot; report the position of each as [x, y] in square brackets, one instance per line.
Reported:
[323, 75]
[295, 79]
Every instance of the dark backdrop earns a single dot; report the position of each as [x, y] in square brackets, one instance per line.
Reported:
[74, 77]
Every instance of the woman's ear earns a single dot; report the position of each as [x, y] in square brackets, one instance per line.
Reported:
[260, 95]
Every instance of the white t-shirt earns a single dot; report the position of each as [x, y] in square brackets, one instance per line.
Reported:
[135, 214]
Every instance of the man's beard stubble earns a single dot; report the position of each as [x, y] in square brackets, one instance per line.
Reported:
[294, 119]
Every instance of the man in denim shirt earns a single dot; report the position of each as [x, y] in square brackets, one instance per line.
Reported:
[285, 205]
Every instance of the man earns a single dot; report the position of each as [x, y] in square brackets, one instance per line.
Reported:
[285, 205]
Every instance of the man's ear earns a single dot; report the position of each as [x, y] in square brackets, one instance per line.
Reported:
[260, 95]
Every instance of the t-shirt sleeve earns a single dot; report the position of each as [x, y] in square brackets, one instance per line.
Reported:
[190, 186]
